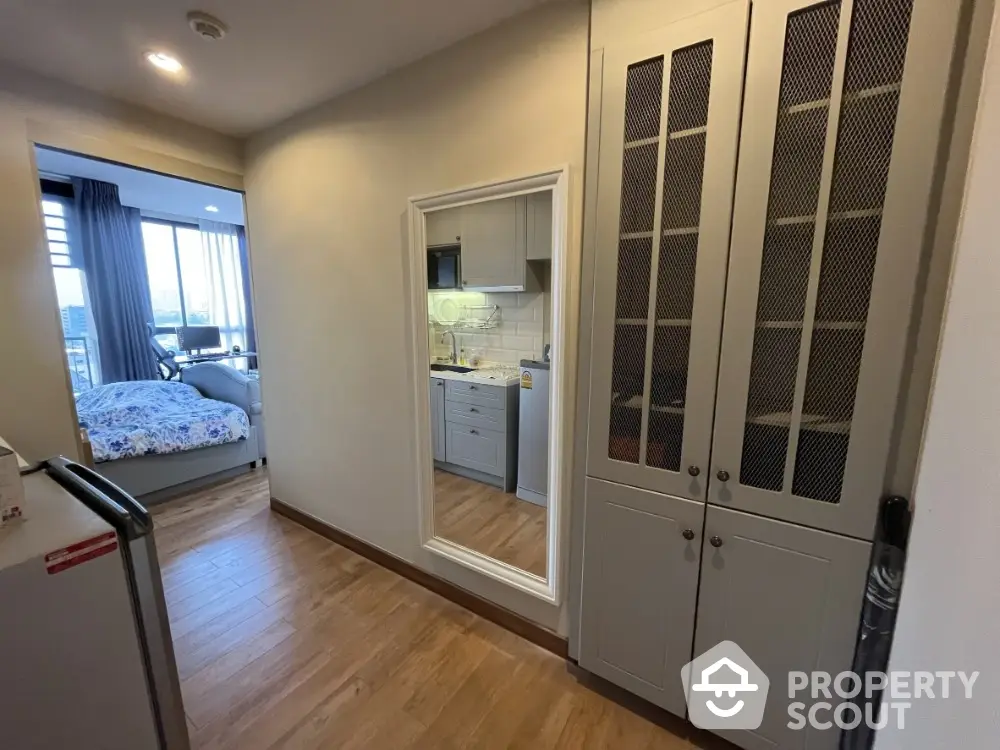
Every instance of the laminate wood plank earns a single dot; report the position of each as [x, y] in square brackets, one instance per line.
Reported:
[211, 634]
[191, 659]
[193, 617]
[485, 519]
[183, 604]
[473, 701]
[218, 671]
[287, 640]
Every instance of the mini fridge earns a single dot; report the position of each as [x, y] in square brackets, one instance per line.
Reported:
[533, 433]
[86, 658]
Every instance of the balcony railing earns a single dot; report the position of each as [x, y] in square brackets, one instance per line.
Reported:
[81, 364]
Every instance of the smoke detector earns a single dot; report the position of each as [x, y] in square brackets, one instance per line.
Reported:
[206, 26]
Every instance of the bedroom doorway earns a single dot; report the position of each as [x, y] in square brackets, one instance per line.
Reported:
[154, 295]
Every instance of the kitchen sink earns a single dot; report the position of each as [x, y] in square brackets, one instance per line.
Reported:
[435, 367]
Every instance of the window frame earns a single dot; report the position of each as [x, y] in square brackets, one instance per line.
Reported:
[61, 192]
[174, 224]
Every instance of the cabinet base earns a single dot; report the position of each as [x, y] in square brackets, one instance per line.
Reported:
[477, 476]
[537, 498]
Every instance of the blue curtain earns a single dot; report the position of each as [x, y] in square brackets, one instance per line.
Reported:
[114, 261]
[241, 235]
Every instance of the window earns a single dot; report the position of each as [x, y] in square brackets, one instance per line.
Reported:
[79, 332]
[195, 278]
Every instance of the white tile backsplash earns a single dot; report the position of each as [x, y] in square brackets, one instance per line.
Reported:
[522, 333]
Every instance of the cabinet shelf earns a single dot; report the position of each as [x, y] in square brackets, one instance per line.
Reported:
[810, 422]
[660, 322]
[687, 133]
[863, 213]
[825, 325]
[679, 231]
[636, 403]
[640, 142]
[851, 96]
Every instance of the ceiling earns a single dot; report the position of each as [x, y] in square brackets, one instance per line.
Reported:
[279, 57]
[147, 190]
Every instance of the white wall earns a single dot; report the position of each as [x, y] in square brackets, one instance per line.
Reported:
[36, 410]
[326, 204]
[950, 609]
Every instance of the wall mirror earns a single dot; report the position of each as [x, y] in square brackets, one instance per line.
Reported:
[488, 280]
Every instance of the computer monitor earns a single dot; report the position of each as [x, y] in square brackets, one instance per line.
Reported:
[191, 338]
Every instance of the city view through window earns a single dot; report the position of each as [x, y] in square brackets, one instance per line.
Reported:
[192, 282]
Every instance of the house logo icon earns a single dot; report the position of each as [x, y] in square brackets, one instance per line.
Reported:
[725, 689]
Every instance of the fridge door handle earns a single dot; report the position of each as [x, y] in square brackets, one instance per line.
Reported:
[130, 516]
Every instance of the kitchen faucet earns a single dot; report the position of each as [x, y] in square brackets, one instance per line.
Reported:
[454, 346]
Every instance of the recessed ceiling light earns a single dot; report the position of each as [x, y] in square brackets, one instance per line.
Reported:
[165, 62]
[212, 209]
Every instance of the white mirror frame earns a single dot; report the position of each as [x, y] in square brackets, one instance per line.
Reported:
[556, 180]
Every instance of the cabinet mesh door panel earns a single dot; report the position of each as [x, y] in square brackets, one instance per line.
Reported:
[643, 104]
[683, 170]
[867, 123]
[793, 196]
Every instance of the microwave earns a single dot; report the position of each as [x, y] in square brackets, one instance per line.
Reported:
[444, 267]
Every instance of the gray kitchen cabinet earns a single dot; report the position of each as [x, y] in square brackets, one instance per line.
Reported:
[476, 448]
[672, 101]
[444, 227]
[478, 430]
[837, 155]
[473, 415]
[437, 418]
[494, 245]
[539, 225]
[477, 394]
[640, 589]
[790, 597]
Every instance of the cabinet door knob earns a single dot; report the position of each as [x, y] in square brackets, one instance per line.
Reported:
[715, 541]
[688, 534]
[694, 471]
[723, 475]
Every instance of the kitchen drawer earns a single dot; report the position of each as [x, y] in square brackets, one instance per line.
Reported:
[472, 415]
[475, 393]
[476, 448]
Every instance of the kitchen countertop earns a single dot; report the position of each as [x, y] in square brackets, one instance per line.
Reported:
[489, 374]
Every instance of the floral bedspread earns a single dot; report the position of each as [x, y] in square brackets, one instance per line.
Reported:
[143, 417]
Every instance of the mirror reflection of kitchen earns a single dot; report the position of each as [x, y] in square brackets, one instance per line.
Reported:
[489, 306]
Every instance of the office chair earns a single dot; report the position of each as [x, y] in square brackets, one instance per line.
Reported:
[164, 357]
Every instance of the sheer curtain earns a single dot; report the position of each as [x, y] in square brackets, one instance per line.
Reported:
[223, 276]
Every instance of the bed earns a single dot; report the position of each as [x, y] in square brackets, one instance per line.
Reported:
[156, 438]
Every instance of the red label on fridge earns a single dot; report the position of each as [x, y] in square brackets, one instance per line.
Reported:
[79, 553]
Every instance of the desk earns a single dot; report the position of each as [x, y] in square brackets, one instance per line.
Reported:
[184, 360]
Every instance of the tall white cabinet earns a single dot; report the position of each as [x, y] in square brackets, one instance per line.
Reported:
[760, 201]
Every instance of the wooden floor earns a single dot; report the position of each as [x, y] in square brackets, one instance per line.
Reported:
[286, 640]
[489, 520]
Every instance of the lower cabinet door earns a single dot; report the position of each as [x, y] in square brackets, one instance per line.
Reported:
[640, 582]
[791, 598]
[476, 448]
